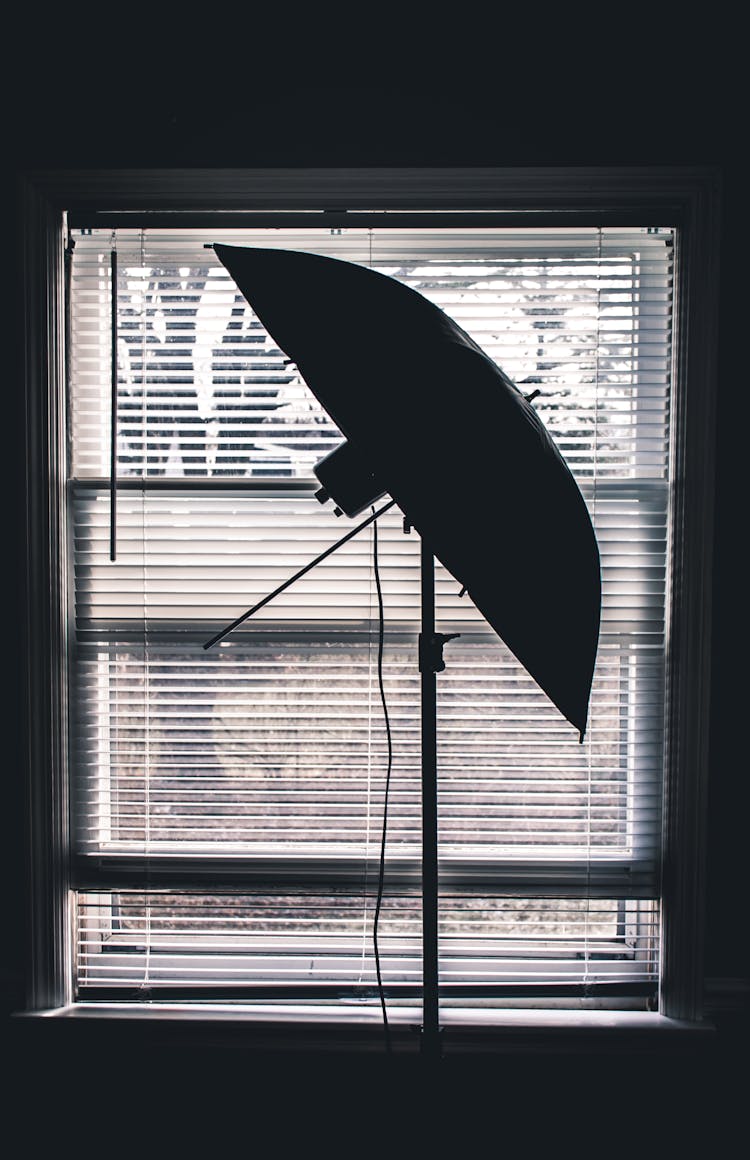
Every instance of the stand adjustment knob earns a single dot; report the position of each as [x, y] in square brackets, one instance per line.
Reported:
[431, 650]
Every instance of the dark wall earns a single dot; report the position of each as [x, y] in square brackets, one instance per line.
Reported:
[679, 104]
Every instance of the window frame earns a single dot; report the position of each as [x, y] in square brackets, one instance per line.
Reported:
[572, 873]
[687, 198]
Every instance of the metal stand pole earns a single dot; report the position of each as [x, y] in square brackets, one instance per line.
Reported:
[431, 1009]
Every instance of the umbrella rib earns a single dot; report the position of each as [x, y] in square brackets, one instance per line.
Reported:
[307, 567]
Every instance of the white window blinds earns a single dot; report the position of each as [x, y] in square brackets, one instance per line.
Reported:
[227, 804]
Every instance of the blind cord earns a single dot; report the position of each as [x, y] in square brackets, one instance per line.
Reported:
[381, 870]
[114, 400]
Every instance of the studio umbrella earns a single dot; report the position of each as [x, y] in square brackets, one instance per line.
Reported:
[429, 418]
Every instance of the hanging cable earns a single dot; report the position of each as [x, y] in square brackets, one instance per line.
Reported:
[381, 871]
[368, 806]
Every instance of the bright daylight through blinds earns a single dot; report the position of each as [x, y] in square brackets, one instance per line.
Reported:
[228, 804]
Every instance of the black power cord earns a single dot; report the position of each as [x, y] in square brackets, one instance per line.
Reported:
[381, 872]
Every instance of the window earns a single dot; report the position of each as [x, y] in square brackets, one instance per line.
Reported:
[226, 804]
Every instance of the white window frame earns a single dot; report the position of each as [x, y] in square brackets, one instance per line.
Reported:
[687, 198]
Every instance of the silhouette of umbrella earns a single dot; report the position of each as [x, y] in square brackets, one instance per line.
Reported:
[440, 427]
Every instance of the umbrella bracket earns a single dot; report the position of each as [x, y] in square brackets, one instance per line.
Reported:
[431, 650]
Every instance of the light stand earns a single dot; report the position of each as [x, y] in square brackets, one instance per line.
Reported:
[430, 664]
[407, 356]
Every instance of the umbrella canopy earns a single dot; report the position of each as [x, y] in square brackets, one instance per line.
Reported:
[454, 442]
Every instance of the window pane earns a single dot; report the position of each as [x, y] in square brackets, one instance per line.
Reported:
[318, 945]
[276, 738]
[203, 391]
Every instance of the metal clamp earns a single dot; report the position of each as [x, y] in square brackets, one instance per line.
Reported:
[431, 650]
